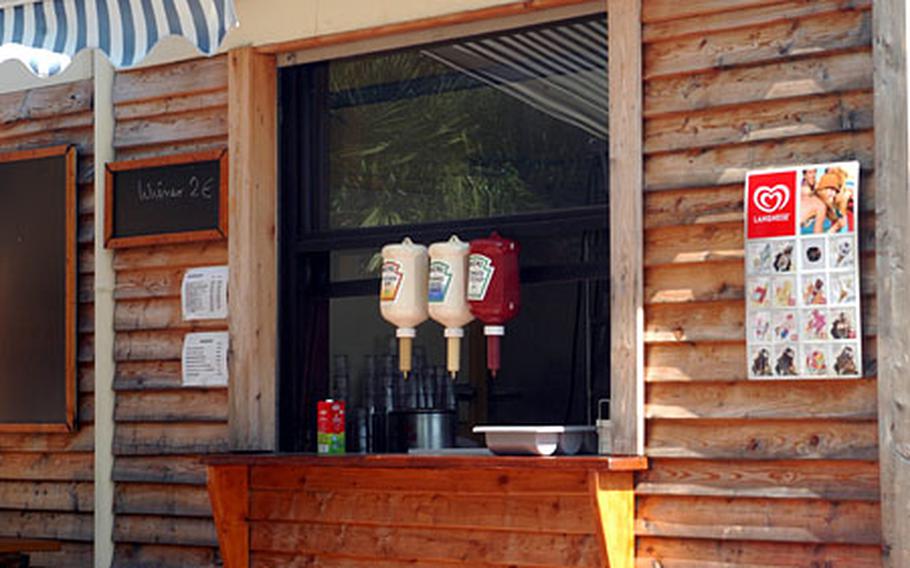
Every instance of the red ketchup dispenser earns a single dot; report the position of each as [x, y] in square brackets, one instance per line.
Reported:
[494, 289]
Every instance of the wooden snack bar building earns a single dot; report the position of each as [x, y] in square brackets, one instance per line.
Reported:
[611, 138]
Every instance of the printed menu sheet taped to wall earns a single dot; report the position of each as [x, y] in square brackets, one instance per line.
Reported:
[204, 360]
[204, 293]
[802, 272]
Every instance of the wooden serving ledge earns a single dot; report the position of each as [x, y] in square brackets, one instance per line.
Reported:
[391, 511]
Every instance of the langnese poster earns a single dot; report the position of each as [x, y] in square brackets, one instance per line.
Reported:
[802, 273]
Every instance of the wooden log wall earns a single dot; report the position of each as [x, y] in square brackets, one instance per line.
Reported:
[46, 480]
[748, 473]
[162, 511]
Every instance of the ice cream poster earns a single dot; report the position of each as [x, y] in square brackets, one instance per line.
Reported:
[802, 273]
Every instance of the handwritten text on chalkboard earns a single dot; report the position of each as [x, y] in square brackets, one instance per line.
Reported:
[165, 200]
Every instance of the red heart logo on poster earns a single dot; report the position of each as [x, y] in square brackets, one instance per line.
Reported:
[771, 199]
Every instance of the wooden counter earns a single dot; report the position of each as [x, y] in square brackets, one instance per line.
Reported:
[423, 511]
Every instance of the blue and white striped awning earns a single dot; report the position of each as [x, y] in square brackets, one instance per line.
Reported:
[125, 30]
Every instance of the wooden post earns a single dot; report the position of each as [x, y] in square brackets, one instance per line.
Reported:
[105, 366]
[252, 251]
[229, 492]
[626, 228]
[613, 497]
[892, 204]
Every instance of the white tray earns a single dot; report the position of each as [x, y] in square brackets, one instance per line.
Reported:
[535, 440]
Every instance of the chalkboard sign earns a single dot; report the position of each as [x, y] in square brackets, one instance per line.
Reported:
[38, 290]
[166, 200]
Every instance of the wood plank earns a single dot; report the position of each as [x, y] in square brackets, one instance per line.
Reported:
[229, 492]
[148, 346]
[190, 405]
[70, 555]
[659, 10]
[148, 375]
[702, 361]
[804, 479]
[764, 120]
[704, 553]
[40, 524]
[812, 35]
[68, 496]
[58, 124]
[287, 560]
[694, 206]
[703, 321]
[253, 99]
[207, 253]
[167, 469]
[157, 314]
[194, 76]
[148, 529]
[788, 520]
[762, 439]
[766, 13]
[153, 283]
[143, 438]
[626, 243]
[842, 399]
[164, 556]
[172, 148]
[46, 102]
[161, 499]
[729, 164]
[571, 514]
[171, 128]
[826, 74]
[694, 243]
[892, 129]
[49, 466]
[466, 546]
[81, 441]
[681, 283]
[496, 481]
[174, 104]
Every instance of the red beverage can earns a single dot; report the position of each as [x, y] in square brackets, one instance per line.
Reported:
[330, 426]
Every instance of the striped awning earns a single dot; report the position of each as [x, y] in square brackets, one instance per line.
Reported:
[125, 30]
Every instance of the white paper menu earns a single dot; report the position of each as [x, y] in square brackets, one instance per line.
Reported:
[204, 359]
[803, 312]
[204, 293]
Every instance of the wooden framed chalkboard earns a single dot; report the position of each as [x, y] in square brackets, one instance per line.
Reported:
[38, 290]
[171, 199]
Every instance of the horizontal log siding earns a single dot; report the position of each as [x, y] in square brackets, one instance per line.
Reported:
[748, 473]
[162, 511]
[46, 480]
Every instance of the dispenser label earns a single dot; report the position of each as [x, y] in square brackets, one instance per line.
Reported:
[392, 275]
[480, 274]
[440, 278]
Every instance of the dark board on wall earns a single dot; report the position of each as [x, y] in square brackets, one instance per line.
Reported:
[38, 289]
[166, 200]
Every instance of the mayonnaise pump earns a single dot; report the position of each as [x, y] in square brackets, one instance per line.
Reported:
[403, 294]
[447, 295]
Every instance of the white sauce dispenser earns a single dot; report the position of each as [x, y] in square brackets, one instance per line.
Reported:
[403, 294]
[447, 298]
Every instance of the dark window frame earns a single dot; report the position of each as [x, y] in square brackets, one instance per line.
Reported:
[305, 245]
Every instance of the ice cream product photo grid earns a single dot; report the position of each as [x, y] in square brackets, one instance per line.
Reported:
[803, 302]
